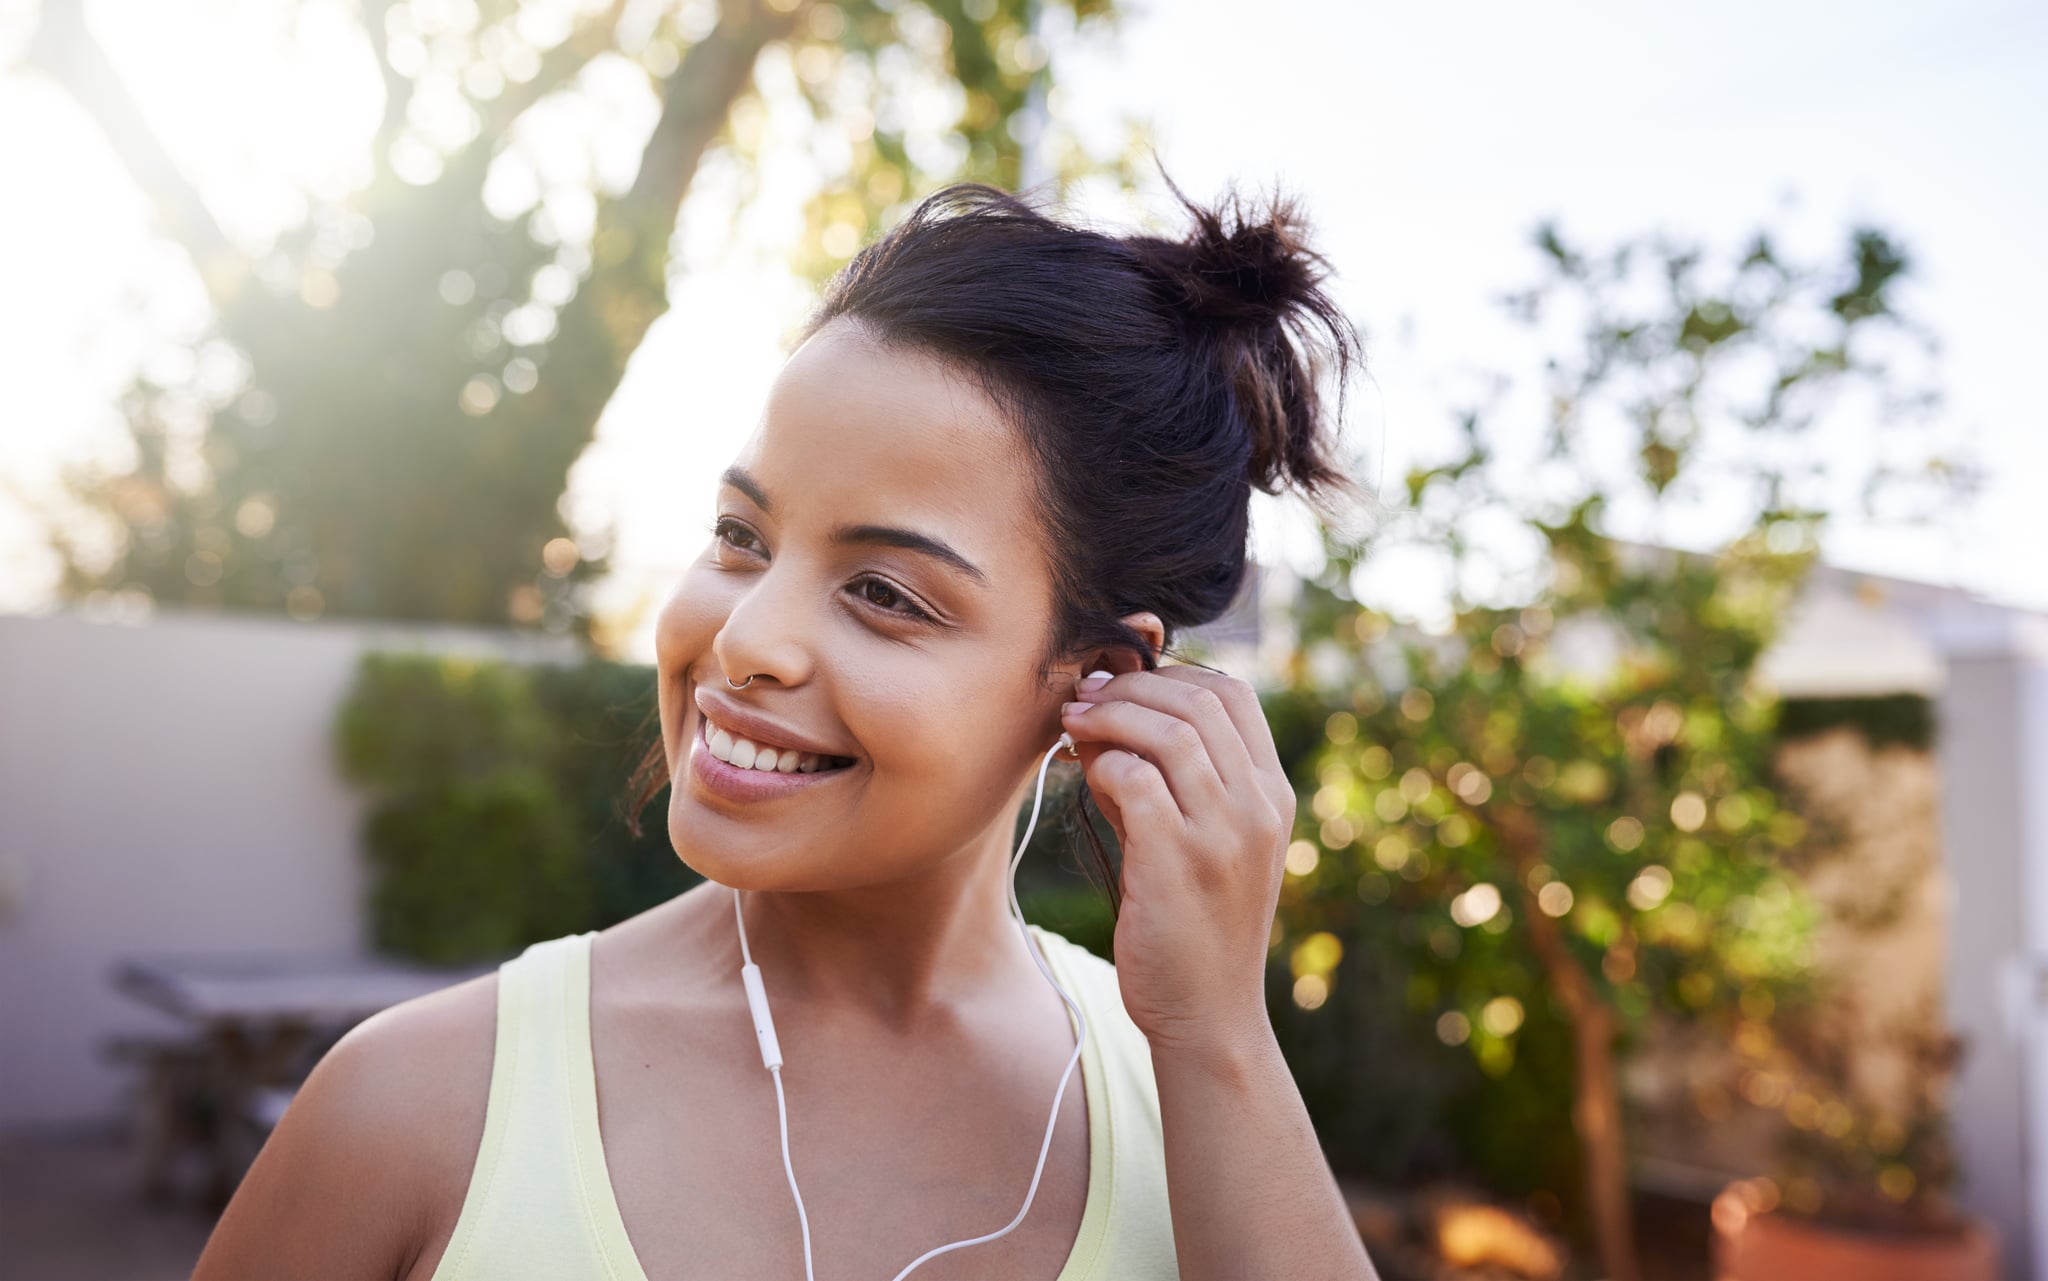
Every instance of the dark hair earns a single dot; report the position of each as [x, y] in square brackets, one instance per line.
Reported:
[1155, 383]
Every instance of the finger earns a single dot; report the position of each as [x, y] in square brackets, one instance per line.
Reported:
[1241, 703]
[1246, 713]
[1137, 789]
[1170, 691]
[1173, 746]
[1084, 756]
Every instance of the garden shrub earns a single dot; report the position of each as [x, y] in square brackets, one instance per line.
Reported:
[493, 788]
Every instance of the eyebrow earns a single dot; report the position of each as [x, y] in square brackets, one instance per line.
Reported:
[878, 535]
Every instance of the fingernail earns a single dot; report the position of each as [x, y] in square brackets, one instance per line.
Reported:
[1074, 709]
[1093, 681]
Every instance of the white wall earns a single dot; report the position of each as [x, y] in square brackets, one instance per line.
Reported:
[2032, 826]
[1993, 746]
[1987, 669]
[166, 788]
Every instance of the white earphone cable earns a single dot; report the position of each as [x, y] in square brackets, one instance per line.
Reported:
[803, 1220]
[781, 1109]
[1080, 1039]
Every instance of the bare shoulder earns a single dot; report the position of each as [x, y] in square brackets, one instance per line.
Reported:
[366, 1171]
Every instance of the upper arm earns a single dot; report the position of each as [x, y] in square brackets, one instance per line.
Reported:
[351, 1181]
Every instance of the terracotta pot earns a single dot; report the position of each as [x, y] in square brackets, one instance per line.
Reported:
[1754, 1244]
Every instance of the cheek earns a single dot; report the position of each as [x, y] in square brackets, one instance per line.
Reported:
[676, 626]
[683, 633]
[940, 730]
[693, 613]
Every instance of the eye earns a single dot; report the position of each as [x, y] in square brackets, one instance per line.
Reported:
[910, 608]
[868, 588]
[725, 525]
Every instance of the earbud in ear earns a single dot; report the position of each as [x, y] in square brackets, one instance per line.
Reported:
[1066, 739]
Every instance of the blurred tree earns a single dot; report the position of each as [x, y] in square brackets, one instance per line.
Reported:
[383, 421]
[1563, 789]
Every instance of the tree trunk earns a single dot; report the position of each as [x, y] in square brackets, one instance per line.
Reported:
[1596, 1085]
[627, 288]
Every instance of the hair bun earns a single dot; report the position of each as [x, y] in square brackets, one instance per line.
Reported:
[1251, 293]
[1239, 267]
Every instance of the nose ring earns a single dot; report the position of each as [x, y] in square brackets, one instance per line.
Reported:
[742, 685]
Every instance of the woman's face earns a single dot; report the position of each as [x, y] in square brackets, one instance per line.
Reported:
[862, 642]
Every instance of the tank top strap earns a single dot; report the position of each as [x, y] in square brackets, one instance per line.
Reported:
[1127, 1231]
[540, 1201]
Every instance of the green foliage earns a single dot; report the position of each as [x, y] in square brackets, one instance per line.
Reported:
[493, 785]
[1075, 910]
[1902, 720]
[474, 868]
[1555, 807]
[381, 419]
[603, 714]
[414, 719]
[1053, 889]
[851, 60]
[1382, 1089]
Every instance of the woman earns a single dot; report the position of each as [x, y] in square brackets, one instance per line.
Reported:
[1009, 452]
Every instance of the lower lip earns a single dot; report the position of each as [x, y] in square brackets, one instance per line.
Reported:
[736, 784]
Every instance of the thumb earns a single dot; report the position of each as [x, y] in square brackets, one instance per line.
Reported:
[1090, 753]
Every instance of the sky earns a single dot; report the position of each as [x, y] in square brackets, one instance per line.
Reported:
[1425, 141]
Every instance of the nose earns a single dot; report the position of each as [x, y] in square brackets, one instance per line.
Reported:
[763, 638]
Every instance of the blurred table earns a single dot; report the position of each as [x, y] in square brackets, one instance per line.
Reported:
[250, 1019]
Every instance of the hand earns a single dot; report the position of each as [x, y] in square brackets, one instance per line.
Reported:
[1182, 764]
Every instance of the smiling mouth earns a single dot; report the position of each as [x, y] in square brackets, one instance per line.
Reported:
[744, 754]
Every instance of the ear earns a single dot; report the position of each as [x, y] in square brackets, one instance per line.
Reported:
[1118, 661]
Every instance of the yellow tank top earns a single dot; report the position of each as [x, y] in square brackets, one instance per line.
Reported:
[540, 1203]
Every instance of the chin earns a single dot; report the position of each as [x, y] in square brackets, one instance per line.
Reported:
[686, 838]
[726, 863]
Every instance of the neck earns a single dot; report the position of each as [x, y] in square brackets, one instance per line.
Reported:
[894, 952]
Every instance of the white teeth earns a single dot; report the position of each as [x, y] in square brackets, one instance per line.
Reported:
[746, 754]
